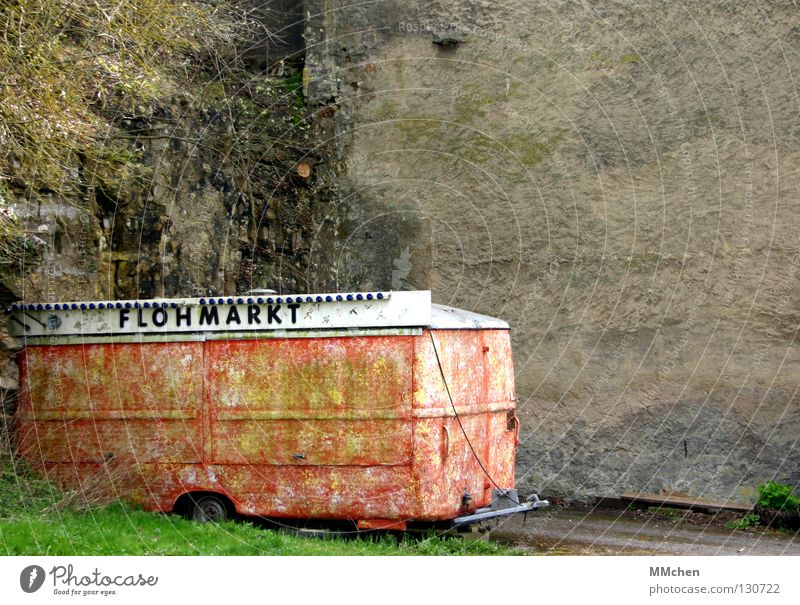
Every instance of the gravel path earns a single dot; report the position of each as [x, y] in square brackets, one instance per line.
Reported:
[578, 532]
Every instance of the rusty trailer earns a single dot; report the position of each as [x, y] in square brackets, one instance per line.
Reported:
[378, 408]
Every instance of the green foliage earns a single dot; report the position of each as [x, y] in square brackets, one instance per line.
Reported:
[66, 67]
[777, 496]
[22, 491]
[629, 58]
[17, 248]
[747, 521]
[294, 85]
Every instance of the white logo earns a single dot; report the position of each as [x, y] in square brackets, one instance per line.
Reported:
[31, 578]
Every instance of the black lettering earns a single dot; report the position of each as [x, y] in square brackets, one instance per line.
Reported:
[209, 315]
[186, 315]
[123, 317]
[233, 316]
[252, 314]
[294, 308]
[159, 317]
[272, 313]
[141, 322]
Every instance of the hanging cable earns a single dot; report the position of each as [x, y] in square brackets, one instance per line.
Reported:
[458, 419]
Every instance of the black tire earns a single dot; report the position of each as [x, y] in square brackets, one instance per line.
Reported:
[209, 509]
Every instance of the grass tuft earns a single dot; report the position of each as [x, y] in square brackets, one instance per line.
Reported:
[37, 519]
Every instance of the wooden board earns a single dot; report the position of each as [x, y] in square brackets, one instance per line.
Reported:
[686, 501]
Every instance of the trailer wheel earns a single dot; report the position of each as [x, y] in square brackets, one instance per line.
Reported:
[209, 509]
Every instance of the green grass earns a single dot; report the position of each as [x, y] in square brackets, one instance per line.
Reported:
[747, 521]
[675, 514]
[31, 525]
[22, 491]
[121, 530]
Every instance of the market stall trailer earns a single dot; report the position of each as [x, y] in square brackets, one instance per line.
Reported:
[378, 408]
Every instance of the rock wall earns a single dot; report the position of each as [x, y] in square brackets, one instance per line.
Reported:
[617, 180]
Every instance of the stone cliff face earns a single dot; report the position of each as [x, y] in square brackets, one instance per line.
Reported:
[201, 216]
[616, 182]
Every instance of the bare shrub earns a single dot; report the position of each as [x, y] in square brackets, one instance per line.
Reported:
[107, 484]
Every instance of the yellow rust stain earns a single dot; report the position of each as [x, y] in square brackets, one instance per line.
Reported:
[335, 396]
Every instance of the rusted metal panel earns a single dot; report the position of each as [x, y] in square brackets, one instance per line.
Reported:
[98, 440]
[461, 356]
[327, 492]
[90, 403]
[153, 486]
[446, 448]
[443, 470]
[502, 431]
[332, 401]
[462, 471]
[499, 365]
[305, 376]
[160, 376]
[312, 441]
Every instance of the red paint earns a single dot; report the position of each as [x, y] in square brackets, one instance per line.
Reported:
[357, 428]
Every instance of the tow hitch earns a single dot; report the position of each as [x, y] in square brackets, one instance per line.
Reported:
[504, 503]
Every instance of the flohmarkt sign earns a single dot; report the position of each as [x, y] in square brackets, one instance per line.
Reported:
[224, 314]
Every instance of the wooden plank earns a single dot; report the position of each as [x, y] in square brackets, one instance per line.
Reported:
[686, 501]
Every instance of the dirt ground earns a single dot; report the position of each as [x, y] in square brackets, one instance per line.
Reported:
[585, 531]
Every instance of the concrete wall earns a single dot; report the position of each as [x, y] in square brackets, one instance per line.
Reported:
[621, 183]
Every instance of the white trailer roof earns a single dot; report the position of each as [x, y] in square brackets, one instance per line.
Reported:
[451, 318]
[226, 316]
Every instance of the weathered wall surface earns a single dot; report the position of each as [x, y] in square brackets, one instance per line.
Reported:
[621, 183]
